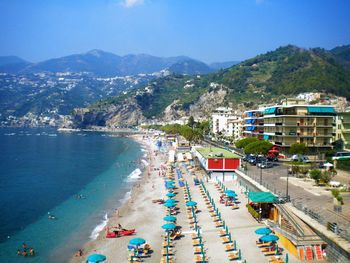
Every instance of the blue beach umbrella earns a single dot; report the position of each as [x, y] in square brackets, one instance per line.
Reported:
[191, 203]
[170, 195]
[170, 218]
[137, 241]
[169, 226]
[170, 186]
[170, 201]
[169, 205]
[229, 191]
[269, 238]
[263, 231]
[231, 194]
[95, 258]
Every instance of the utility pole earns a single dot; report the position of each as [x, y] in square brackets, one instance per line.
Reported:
[260, 176]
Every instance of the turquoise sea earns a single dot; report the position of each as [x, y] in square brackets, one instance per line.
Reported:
[77, 178]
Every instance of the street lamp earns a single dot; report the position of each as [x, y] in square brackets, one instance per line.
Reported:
[287, 194]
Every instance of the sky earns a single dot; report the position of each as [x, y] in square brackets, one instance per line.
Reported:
[208, 30]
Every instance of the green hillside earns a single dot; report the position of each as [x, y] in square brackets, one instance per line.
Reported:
[283, 72]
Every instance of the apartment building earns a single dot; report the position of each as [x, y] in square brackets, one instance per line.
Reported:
[227, 122]
[253, 123]
[291, 123]
[343, 128]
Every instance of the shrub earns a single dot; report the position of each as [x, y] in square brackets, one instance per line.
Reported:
[258, 147]
[316, 175]
[244, 142]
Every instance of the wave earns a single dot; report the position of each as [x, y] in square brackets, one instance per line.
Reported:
[135, 175]
[143, 150]
[126, 197]
[99, 227]
[144, 162]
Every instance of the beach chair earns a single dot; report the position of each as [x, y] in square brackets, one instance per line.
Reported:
[225, 240]
[164, 259]
[262, 244]
[234, 207]
[216, 219]
[165, 244]
[200, 258]
[270, 252]
[229, 247]
[170, 251]
[222, 233]
[233, 255]
[275, 259]
[219, 224]
[196, 242]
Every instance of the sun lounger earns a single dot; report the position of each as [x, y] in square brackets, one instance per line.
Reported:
[229, 247]
[194, 236]
[213, 214]
[270, 253]
[165, 244]
[218, 224]
[200, 258]
[275, 259]
[222, 232]
[164, 251]
[196, 242]
[164, 259]
[233, 207]
[215, 219]
[225, 240]
[233, 255]
[266, 244]
[197, 250]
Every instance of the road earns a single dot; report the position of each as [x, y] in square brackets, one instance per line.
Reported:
[315, 200]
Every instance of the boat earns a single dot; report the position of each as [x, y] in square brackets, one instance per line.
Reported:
[119, 233]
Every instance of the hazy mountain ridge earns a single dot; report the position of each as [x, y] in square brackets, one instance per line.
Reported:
[106, 64]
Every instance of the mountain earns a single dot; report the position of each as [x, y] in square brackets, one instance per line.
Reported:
[286, 71]
[102, 63]
[342, 52]
[12, 64]
[222, 65]
[190, 67]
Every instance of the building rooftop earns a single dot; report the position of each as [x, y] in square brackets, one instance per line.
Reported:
[218, 153]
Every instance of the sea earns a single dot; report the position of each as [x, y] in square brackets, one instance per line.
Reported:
[58, 189]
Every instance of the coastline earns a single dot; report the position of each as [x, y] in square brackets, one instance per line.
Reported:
[137, 211]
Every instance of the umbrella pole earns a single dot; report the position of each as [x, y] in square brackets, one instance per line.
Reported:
[167, 248]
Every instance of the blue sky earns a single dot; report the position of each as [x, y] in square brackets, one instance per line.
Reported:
[209, 30]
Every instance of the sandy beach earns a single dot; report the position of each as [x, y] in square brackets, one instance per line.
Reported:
[138, 212]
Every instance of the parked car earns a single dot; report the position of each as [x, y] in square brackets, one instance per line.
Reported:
[264, 165]
[260, 160]
[341, 156]
[300, 158]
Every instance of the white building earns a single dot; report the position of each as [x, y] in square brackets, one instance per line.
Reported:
[227, 122]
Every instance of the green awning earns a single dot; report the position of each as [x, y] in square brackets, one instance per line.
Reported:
[261, 197]
[312, 109]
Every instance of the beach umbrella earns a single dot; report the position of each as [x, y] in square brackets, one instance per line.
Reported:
[95, 258]
[170, 186]
[170, 201]
[170, 218]
[229, 237]
[234, 244]
[229, 191]
[263, 231]
[169, 226]
[287, 258]
[269, 238]
[277, 250]
[239, 254]
[328, 165]
[137, 241]
[231, 194]
[226, 229]
[191, 203]
[169, 205]
[170, 195]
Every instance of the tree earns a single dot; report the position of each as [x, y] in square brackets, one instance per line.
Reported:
[316, 175]
[244, 142]
[336, 195]
[338, 145]
[204, 126]
[298, 148]
[191, 122]
[258, 147]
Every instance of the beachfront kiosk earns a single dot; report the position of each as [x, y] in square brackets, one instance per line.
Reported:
[218, 163]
